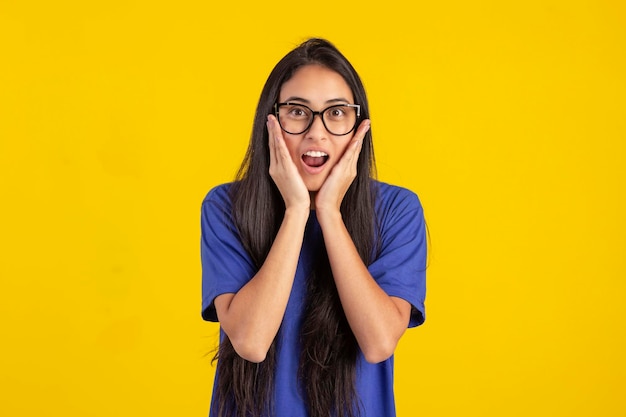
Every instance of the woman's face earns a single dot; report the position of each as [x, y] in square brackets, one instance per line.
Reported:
[316, 151]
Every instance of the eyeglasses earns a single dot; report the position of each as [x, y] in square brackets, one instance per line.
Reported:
[296, 118]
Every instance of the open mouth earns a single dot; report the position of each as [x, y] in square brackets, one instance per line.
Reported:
[315, 158]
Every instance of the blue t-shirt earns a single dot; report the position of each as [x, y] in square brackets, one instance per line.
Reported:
[399, 269]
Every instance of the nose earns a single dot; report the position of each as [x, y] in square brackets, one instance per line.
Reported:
[317, 129]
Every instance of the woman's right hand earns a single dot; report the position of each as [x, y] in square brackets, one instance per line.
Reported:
[283, 171]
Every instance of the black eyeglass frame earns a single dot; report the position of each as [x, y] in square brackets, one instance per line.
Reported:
[318, 113]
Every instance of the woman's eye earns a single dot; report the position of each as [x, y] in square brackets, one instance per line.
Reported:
[297, 112]
[336, 112]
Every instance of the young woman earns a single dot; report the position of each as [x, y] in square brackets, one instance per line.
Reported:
[312, 267]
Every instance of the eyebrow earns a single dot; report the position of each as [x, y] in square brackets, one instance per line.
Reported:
[305, 101]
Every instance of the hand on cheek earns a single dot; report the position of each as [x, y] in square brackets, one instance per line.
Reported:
[283, 171]
[332, 192]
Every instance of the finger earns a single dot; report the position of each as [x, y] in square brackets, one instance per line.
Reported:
[357, 142]
[362, 130]
[272, 138]
[282, 153]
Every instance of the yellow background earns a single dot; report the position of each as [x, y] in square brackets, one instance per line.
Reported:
[508, 119]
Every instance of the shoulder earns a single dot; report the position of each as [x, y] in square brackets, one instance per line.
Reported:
[218, 194]
[217, 204]
[393, 199]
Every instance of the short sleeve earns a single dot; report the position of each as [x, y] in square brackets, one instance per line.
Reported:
[400, 268]
[226, 266]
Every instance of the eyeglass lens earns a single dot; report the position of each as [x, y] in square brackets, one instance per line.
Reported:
[297, 118]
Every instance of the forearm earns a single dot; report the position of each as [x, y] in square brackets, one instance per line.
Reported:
[251, 317]
[376, 319]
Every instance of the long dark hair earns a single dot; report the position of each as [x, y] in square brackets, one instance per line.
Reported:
[327, 370]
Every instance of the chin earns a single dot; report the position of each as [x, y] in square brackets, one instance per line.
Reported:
[313, 184]
[314, 187]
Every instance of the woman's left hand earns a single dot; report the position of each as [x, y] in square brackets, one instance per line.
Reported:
[332, 192]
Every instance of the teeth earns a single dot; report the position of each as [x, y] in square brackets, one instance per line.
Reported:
[316, 154]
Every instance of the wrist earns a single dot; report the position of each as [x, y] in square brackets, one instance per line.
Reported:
[297, 212]
[328, 217]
